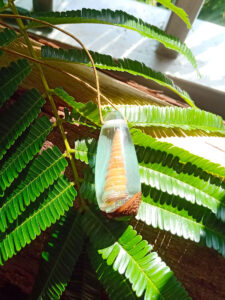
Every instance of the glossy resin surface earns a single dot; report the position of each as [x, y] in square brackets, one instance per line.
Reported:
[117, 179]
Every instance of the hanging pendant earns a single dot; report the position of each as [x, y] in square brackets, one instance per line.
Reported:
[117, 180]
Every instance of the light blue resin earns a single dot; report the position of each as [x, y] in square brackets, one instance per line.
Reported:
[114, 123]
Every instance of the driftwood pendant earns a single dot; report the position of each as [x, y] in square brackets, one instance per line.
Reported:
[117, 180]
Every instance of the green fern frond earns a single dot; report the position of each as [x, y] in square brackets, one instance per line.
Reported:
[62, 94]
[28, 145]
[168, 154]
[181, 218]
[187, 186]
[18, 118]
[116, 286]
[59, 258]
[169, 116]
[177, 10]
[6, 37]
[85, 151]
[103, 61]
[150, 115]
[51, 205]
[73, 117]
[117, 18]
[174, 214]
[150, 150]
[131, 256]
[87, 189]
[11, 77]
[87, 111]
[42, 172]
[84, 283]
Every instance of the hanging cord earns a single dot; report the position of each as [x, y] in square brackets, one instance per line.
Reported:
[77, 40]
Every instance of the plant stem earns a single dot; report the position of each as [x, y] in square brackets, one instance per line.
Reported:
[47, 89]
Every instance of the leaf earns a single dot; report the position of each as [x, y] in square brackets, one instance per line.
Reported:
[170, 213]
[85, 150]
[103, 61]
[11, 77]
[116, 286]
[1, 4]
[177, 10]
[87, 189]
[18, 117]
[75, 117]
[42, 172]
[117, 18]
[59, 258]
[59, 91]
[52, 204]
[205, 192]
[150, 150]
[6, 37]
[84, 283]
[88, 111]
[172, 117]
[28, 145]
[168, 154]
[190, 187]
[150, 115]
[131, 256]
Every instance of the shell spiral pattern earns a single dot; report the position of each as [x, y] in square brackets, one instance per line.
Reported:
[116, 181]
[117, 178]
[115, 194]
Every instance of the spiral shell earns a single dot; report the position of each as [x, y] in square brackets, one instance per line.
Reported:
[115, 194]
[117, 180]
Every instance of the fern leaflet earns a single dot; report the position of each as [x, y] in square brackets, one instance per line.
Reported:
[131, 256]
[147, 148]
[177, 10]
[11, 77]
[42, 172]
[6, 37]
[18, 118]
[50, 206]
[190, 187]
[103, 61]
[117, 18]
[149, 115]
[172, 214]
[28, 145]
[116, 286]
[59, 258]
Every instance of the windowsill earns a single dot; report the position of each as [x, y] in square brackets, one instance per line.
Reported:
[206, 40]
